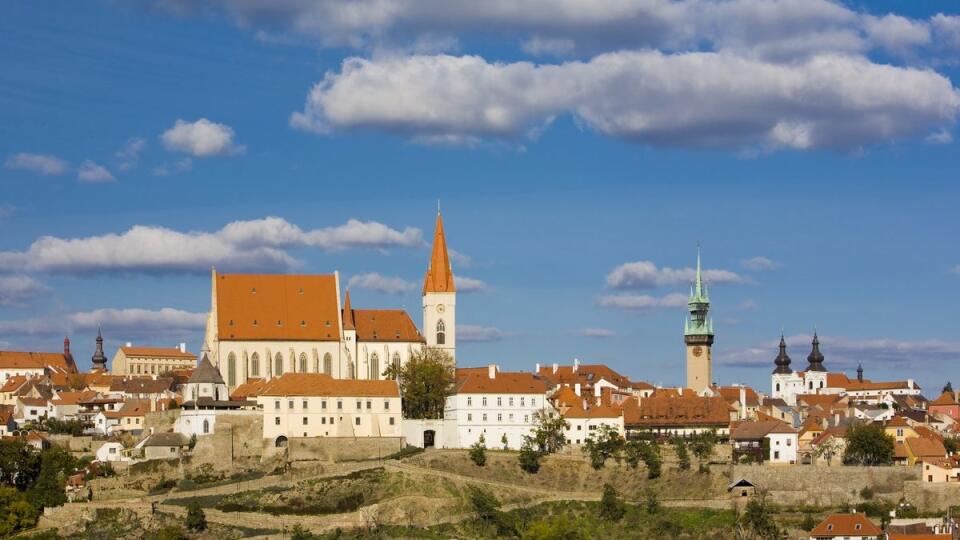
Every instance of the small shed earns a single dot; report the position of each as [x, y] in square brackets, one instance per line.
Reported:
[164, 445]
[741, 488]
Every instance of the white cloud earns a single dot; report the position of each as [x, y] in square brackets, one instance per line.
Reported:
[39, 163]
[239, 246]
[748, 305]
[594, 332]
[91, 172]
[468, 285]
[538, 46]
[827, 101]
[947, 30]
[178, 166]
[460, 259]
[17, 289]
[128, 321]
[845, 352]
[940, 137]
[646, 275]
[897, 34]
[642, 302]
[471, 334]
[388, 285]
[201, 138]
[758, 264]
[128, 156]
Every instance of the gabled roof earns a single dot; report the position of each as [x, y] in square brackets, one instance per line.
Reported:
[73, 398]
[732, 393]
[688, 409]
[36, 360]
[250, 389]
[846, 525]
[504, 382]
[831, 432]
[165, 439]
[206, 373]
[925, 448]
[158, 352]
[587, 375]
[278, 306]
[130, 408]
[897, 421]
[946, 398]
[141, 385]
[439, 276]
[321, 384]
[824, 401]
[867, 385]
[837, 380]
[385, 325]
[758, 430]
[13, 383]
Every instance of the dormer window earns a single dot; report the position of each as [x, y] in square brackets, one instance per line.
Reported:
[327, 324]
[301, 290]
[398, 334]
[303, 323]
[253, 290]
[857, 526]
[279, 323]
[231, 322]
[254, 322]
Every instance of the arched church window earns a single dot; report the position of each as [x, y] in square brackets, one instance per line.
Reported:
[206, 427]
[351, 372]
[231, 370]
[441, 333]
[255, 365]
[278, 365]
[303, 363]
[374, 373]
[778, 387]
[316, 364]
[821, 384]
[328, 364]
[396, 363]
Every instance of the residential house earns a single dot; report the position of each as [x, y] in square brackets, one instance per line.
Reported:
[683, 413]
[846, 527]
[745, 399]
[940, 470]
[130, 417]
[900, 429]
[317, 405]
[66, 405]
[591, 378]
[111, 451]
[946, 404]
[769, 441]
[583, 417]
[924, 449]
[153, 389]
[828, 447]
[7, 423]
[163, 446]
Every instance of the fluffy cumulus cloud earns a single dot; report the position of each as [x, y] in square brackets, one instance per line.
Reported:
[642, 302]
[594, 332]
[690, 99]
[18, 289]
[468, 284]
[39, 163]
[201, 138]
[91, 172]
[646, 275]
[239, 246]
[125, 321]
[759, 264]
[384, 284]
[845, 352]
[128, 156]
[897, 34]
[471, 334]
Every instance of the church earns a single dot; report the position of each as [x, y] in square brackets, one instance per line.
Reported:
[261, 326]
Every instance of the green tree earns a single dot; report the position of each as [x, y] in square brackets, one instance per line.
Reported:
[683, 457]
[952, 444]
[67, 427]
[505, 442]
[603, 445]
[702, 444]
[484, 504]
[758, 517]
[611, 507]
[196, 519]
[55, 465]
[192, 442]
[947, 387]
[478, 452]
[172, 532]
[548, 434]
[529, 456]
[425, 380]
[808, 522]
[19, 464]
[16, 512]
[651, 502]
[868, 444]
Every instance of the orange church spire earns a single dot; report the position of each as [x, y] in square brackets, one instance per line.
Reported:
[439, 276]
[348, 323]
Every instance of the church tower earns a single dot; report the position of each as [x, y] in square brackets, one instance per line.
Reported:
[698, 335]
[440, 297]
[99, 359]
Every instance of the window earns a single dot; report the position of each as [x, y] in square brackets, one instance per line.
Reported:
[303, 362]
[511, 402]
[441, 333]
[323, 405]
[386, 404]
[276, 421]
[396, 360]
[357, 420]
[533, 402]
[276, 405]
[206, 426]
[374, 367]
[391, 421]
[304, 420]
[359, 405]
[499, 417]
[231, 370]
[521, 401]
[278, 365]
[789, 442]
[304, 404]
[484, 417]
[323, 419]
[499, 401]
[484, 401]
[469, 401]
[369, 404]
[511, 417]
[255, 365]
[526, 419]
[778, 387]
[339, 405]
[327, 364]
[469, 417]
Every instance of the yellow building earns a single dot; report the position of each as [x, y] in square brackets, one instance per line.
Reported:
[131, 360]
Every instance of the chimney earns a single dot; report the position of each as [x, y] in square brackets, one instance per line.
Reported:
[576, 389]
[492, 371]
[680, 391]
[555, 366]
[183, 347]
[537, 368]
[129, 344]
[576, 364]
[743, 402]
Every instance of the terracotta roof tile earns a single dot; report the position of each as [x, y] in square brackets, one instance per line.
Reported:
[505, 382]
[837, 380]
[732, 393]
[385, 325]
[36, 360]
[158, 352]
[142, 385]
[662, 409]
[249, 306]
[73, 398]
[865, 385]
[946, 398]
[923, 447]
[13, 383]
[758, 430]
[321, 384]
[439, 276]
[846, 525]
[250, 389]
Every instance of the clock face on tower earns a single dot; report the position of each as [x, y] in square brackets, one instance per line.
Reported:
[697, 351]
[440, 308]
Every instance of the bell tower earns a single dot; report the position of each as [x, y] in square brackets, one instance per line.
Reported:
[440, 296]
[698, 335]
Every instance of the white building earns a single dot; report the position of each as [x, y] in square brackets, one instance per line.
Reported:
[317, 405]
[784, 441]
[130, 360]
[585, 414]
[30, 364]
[111, 451]
[207, 399]
[498, 405]
[787, 384]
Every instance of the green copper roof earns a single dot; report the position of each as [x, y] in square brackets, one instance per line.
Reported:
[699, 305]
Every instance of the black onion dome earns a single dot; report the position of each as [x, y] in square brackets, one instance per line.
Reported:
[816, 357]
[783, 359]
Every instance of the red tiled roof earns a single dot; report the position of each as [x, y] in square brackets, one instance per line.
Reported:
[439, 276]
[250, 306]
[661, 409]
[865, 385]
[758, 430]
[837, 380]
[846, 525]
[505, 382]
[925, 448]
[142, 385]
[732, 393]
[73, 398]
[385, 325]
[946, 398]
[158, 352]
[250, 389]
[36, 360]
[321, 384]
[13, 383]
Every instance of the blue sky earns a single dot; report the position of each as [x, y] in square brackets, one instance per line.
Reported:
[560, 150]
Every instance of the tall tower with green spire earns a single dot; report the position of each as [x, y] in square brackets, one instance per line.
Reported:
[698, 334]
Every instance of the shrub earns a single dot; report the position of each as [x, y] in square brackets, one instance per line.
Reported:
[196, 519]
[866, 493]
[504, 441]
[704, 468]
[651, 502]
[193, 440]
[808, 522]
[172, 532]
[478, 452]
[484, 503]
[611, 507]
[683, 457]
[606, 443]
[529, 458]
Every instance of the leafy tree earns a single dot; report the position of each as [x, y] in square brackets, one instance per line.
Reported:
[548, 434]
[478, 452]
[19, 464]
[55, 464]
[611, 507]
[505, 442]
[808, 522]
[67, 427]
[646, 451]
[947, 387]
[484, 504]
[425, 380]
[868, 444]
[702, 444]
[603, 445]
[682, 456]
[529, 456]
[193, 441]
[829, 449]
[952, 444]
[196, 519]
[16, 512]
[758, 517]
[866, 493]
